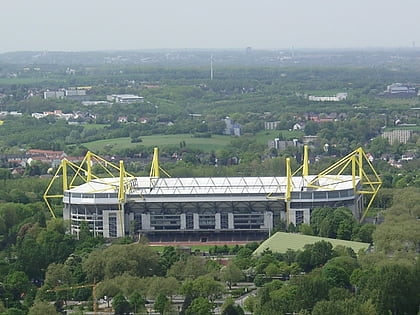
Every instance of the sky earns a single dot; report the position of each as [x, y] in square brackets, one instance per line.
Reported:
[91, 25]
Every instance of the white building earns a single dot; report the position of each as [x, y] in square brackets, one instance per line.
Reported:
[398, 135]
[125, 98]
[337, 98]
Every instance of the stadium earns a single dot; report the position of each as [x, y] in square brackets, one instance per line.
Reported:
[212, 209]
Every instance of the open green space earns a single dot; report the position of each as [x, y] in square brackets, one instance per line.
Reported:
[206, 144]
[280, 242]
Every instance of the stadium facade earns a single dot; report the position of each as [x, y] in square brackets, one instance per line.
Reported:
[214, 208]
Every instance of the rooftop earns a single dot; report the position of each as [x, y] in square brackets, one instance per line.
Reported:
[215, 185]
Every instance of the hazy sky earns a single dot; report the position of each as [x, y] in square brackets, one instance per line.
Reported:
[261, 24]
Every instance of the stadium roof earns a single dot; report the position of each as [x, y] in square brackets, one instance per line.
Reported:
[216, 185]
[280, 242]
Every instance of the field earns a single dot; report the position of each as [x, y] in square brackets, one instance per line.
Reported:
[205, 144]
[280, 242]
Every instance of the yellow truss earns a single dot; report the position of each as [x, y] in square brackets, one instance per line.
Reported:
[83, 172]
[155, 169]
[369, 184]
[361, 168]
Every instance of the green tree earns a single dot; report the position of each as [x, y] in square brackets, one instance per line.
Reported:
[18, 284]
[231, 274]
[230, 308]
[392, 288]
[42, 308]
[162, 304]
[200, 306]
[120, 304]
[191, 267]
[136, 301]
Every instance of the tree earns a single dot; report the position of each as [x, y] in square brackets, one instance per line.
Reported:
[120, 304]
[309, 290]
[230, 308]
[136, 301]
[392, 287]
[42, 308]
[231, 274]
[348, 306]
[200, 306]
[166, 285]
[18, 284]
[191, 267]
[58, 274]
[162, 303]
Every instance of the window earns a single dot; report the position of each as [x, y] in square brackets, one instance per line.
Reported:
[112, 219]
[299, 218]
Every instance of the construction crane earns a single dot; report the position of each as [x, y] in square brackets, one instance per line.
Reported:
[92, 285]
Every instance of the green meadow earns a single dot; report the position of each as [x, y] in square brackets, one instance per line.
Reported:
[206, 144]
[214, 143]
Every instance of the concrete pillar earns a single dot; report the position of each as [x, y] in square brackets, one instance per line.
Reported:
[231, 221]
[183, 221]
[196, 221]
[217, 221]
[145, 221]
[268, 220]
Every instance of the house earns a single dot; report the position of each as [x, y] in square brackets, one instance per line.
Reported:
[298, 126]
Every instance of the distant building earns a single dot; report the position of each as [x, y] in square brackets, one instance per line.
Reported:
[122, 119]
[400, 90]
[232, 128]
[298, 126]
[310, 140]
[11, 113]
[92, 103]
[271, 125]
[125, 98]
[337, 98]
[54, 94]
[283, 144]
[398, 135]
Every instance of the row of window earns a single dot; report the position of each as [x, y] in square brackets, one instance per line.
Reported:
[333, 194]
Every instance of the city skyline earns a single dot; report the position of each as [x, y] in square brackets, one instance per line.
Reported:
[48, 25]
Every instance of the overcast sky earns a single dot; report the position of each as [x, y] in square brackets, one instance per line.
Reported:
[76, 25]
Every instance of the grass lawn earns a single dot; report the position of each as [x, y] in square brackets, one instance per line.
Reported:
[280, 242]
[206, 144]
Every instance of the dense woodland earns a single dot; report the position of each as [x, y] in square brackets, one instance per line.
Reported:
[40, 261]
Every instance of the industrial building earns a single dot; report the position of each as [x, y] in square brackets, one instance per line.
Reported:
[209, 209]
